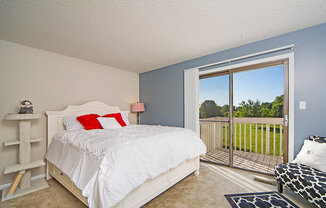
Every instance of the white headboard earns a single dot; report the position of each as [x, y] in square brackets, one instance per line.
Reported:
[55, 118]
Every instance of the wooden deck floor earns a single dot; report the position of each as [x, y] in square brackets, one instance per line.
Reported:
[247, 160]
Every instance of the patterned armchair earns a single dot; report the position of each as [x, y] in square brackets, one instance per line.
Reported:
[308, 182]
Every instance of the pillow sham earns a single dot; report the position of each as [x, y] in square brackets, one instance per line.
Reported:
[72, 124]
[125, 117]
[90, 121]
[118, 117]
[109, 123]
[312, 154]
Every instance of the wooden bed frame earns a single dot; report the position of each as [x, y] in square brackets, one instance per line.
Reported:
[139, 196]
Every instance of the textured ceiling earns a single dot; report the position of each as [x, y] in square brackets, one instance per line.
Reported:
[141, 35]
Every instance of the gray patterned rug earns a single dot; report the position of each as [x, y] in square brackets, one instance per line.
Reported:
[262, 200]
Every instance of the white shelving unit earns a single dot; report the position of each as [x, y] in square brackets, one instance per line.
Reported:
[23, 168]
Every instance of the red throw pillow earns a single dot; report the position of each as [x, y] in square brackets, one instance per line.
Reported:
[117, 117]
[90, 121]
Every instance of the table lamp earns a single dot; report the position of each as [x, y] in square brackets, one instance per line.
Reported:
[137, 108]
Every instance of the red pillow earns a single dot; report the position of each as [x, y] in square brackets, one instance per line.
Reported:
[90, 121]
[117, 117]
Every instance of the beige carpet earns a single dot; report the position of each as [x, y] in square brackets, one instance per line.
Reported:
[206, 190]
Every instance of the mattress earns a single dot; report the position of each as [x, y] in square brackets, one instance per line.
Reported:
[108, 164]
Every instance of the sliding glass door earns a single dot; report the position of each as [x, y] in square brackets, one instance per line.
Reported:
[253, 101]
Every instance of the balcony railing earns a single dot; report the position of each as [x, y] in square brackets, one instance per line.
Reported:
[258, 142]
[257, 135]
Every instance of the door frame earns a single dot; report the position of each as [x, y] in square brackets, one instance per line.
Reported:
[290, 81]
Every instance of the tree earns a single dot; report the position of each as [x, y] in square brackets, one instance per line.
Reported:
[265, 112]
[225, 111]
[266, 105]
[249, 109]
[209, 109]
[277, 107]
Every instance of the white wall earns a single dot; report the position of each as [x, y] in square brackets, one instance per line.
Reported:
[52, 81]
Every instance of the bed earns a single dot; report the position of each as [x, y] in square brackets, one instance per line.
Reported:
[138, 196]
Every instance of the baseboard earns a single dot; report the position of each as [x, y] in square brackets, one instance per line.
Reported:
[32, 178]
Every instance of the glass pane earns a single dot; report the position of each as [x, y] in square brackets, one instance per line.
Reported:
[214, 120]
[257, 116]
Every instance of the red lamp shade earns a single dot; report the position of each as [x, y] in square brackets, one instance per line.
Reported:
[137, 107]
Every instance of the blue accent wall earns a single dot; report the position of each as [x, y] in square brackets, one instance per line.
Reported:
[162, 89]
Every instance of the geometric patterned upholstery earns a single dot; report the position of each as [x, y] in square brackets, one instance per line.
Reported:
[318, 139]
[308, 182]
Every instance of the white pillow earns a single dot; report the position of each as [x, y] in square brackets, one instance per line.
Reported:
[109, 123]
[72, 124]
[124, 116]
[312, 154]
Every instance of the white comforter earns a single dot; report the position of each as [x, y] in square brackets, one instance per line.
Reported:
[108, 164]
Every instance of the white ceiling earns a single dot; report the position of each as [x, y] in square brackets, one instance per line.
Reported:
[141, 35]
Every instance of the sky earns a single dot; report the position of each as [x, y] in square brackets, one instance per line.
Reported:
[260, 84]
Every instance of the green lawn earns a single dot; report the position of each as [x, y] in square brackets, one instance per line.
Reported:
[259, 139]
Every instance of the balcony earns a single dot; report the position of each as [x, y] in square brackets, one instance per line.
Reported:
[258, 142]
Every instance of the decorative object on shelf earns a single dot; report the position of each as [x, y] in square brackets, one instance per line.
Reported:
[23, 177]
[26, 107]
[137, 108]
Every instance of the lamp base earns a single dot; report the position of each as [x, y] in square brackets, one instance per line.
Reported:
[138, 118]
